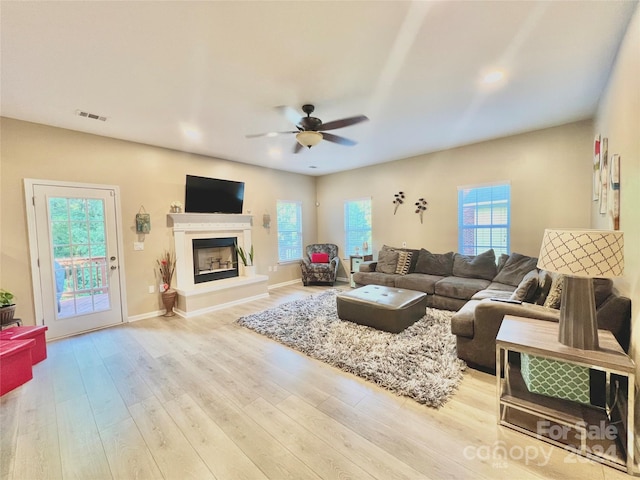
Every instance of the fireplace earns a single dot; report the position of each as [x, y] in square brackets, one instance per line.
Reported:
[214, 259]
[205, 250]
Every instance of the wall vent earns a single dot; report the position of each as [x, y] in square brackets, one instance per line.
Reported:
[93, 116]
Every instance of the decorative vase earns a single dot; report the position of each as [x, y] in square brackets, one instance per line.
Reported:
[250, 270]
[169, 301]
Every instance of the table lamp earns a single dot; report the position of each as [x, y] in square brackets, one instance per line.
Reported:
[581, 255]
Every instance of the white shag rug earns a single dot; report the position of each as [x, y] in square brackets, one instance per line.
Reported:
[419, 362]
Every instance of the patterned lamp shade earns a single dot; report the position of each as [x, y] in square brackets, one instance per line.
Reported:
[583, 253]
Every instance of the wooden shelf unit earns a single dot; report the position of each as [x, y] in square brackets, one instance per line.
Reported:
[585, 430]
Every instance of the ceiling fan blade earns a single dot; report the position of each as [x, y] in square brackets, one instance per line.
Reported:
[345, 122]
[330, 137]
[297, 148]
[292, 115]
[268, 134]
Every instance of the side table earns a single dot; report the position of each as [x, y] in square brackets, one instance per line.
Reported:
[354, 265]
[604, 434]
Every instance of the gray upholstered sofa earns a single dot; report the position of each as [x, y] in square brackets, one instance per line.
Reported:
[470, 285]
[450, 279]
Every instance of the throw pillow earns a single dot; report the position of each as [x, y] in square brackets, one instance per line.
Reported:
[502, 259]
[479, 266]
[319, 258]
[404, 262]
[387, 261]
[544, 285]
[527, 288]
[555, 293]
[515, 268]
[435, 263]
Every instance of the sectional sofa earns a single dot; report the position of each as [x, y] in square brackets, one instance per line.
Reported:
[471, 285]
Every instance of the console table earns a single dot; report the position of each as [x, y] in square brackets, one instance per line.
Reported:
[605, 434]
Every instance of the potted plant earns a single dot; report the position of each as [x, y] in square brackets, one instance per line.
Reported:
[247, 259]
[7, 307]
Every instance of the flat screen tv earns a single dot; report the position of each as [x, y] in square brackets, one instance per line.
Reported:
[213, 195]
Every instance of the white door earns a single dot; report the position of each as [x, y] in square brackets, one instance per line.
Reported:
[78, 272]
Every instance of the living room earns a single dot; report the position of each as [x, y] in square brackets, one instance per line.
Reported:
[549, 170]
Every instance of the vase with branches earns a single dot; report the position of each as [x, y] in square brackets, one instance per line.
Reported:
[166, 268]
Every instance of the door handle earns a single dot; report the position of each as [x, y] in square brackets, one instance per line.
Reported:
[113, 267]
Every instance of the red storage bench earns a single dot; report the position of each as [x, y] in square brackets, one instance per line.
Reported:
[39, 351]
[15, 363]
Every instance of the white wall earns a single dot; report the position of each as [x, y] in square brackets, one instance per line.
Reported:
[618, 119]
[549, 171]
[146, 175]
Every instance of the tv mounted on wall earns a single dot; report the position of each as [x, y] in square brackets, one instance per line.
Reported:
[213, 195]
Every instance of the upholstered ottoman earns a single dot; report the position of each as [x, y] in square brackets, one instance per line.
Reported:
[385, 308]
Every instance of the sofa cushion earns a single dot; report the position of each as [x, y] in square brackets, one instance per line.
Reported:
[463, 320]
[602, 288]
[544, 285]
[420, 282]
[502, 259]
[555, 293]
[527, 288]
[404, 262]
[375, 278]
[435, 263]
[514, 270]
[462, 288]
[478, 266]
[414, 255]
[387, 261]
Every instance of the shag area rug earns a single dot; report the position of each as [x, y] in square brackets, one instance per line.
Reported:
[419, 362]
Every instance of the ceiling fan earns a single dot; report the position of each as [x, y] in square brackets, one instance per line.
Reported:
[311, 130]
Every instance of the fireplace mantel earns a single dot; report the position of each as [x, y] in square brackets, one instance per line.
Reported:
[195, 299]
[208, 221]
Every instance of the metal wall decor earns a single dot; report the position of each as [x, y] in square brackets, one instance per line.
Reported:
[143, 221]
[421, 207]
[398, 200]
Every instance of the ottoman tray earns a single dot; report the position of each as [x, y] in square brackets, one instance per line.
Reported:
[385, 308]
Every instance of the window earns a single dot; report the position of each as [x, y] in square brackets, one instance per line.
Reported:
[289, 230]
[484, 219]
[357, 226]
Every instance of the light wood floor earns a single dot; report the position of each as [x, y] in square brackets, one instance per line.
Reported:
[204, 398]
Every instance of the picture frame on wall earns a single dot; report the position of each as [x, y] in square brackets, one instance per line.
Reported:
[614, 192]
[604, 174]
[597, 181]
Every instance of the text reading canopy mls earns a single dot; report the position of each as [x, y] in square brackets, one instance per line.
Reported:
[213, 195]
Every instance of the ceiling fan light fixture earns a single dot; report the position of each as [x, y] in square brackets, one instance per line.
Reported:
[308, 138]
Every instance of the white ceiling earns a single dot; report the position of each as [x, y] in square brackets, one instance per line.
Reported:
[220, 68]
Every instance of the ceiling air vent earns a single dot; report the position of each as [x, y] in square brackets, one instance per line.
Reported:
[93, 116]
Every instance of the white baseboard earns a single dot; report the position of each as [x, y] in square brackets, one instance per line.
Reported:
[284, 284]
[213, 308]
[144, 316]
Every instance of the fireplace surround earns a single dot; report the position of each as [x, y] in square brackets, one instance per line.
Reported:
[196, 295]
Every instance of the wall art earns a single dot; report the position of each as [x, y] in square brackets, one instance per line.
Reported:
[597, 182]
[604, 174]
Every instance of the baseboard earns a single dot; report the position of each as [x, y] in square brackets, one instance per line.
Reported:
[284, 284]
[144, 316]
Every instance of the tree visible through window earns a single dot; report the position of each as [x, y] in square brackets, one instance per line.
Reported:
[484, 219]
[357, 225]
[289, 215]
